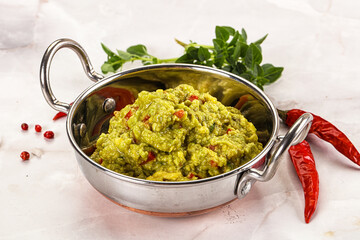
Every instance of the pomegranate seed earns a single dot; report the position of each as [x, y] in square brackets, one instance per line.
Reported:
[25, 155]
[24, 126]
[49, 134]
[38, 128]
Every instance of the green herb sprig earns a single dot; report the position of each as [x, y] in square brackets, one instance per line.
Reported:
[230, 52]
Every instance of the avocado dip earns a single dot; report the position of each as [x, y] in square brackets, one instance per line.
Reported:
[176, 134]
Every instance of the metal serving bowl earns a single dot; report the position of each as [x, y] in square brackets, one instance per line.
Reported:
[89, 116]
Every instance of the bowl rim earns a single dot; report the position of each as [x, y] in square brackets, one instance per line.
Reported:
[267, 148]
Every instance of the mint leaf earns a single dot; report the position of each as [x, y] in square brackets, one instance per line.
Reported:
[244, 34]
[138, 50]
[106, 68]
[261, 40]
[203, 54]
[253, 56]
[107, 50]
[124, 55]
[222, 33]
[272, 73]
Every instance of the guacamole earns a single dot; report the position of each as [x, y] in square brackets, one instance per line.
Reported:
[176, 134]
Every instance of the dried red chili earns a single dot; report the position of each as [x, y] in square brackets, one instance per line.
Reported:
[326, 131]
[304, 164]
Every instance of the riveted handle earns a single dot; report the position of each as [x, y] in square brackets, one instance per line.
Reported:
[45, 70]
[296, 134]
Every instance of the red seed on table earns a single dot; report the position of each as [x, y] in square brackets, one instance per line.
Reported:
[49, 134]
[38, 128]
[25, 155]
[24, 126]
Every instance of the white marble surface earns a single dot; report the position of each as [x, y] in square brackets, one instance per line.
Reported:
[317, 41]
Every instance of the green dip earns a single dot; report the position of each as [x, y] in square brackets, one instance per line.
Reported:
[176, 134]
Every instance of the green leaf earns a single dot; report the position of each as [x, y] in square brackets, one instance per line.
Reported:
[106, 68]
[237, 51]
[246, 75]
[243, 49]
[243, 34]
[230, 30]
[107, 50]
[138, 50]
[203, 54]
[193, 53]
[272, 73]
[258, 71]
[261, 40]
[222, 33]
[219, 59]
[219, 44]
[235, 39]
[253, 56]
[124, 55]
[240, 68]
[184, 59]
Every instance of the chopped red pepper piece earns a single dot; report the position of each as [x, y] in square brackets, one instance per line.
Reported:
[212, 147]
[193, 97]
[213, 163]
[100, 161]
[146, 118]
[228, 130]
[180, 113]
[151, 156]
[191, 175]
[128, 115]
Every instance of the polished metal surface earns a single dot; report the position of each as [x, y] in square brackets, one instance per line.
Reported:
[45, 70]
[295, 135]
[168, 197]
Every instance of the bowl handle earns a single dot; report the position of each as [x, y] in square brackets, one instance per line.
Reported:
[45, 69]
[296, 134]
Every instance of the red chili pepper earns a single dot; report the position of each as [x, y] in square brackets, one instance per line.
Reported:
[304, 164]
[193, 97]
[180, 113]
[326, 131]
[228, 130]
[59, 115]
[151, 156]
